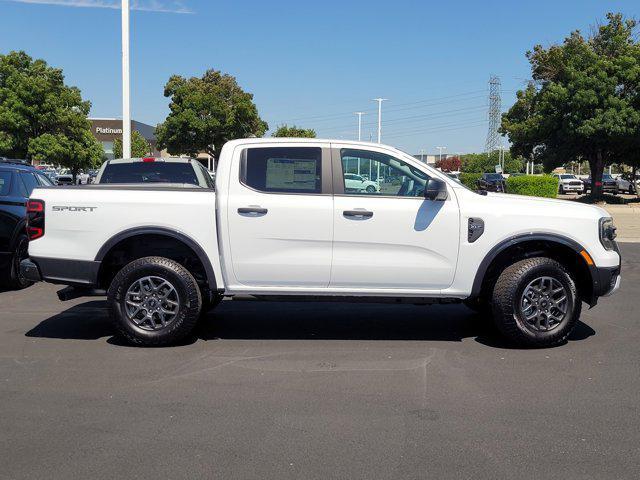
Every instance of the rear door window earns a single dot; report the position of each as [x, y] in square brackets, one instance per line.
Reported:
[149, 172]
[283, 169]
[5, 183]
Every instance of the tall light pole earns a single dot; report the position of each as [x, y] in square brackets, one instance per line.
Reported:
[359, 125]
[501, 157]
[440, 149]
[126, 110]
[422, 155]
[379, 100]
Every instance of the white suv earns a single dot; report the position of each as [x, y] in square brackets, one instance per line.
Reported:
[356, 183]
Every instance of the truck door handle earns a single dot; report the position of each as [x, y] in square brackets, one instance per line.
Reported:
[253, 211]
[359, 214]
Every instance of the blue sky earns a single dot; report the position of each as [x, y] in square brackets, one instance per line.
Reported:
[310, 63]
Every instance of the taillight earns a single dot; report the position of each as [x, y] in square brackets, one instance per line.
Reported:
[35, 219]
[148, 159]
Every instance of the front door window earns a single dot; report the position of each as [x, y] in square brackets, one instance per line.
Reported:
[372, 173]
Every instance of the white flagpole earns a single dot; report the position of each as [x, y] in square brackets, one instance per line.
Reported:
[126, 110]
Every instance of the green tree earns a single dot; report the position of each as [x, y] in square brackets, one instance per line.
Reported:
[139, 146]
[583, 102]
[481, 163]
[42, 118]
[207, 112]
[293, 131]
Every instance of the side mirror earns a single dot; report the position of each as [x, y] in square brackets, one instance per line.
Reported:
[436, 190]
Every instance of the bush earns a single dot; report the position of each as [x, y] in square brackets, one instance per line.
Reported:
[533, 185]
[470, 180]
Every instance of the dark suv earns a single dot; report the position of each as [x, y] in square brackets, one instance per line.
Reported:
[17, 181]
[609, 184]
[491, 182]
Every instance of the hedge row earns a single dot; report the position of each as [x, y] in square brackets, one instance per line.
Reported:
[533, 185]
[470, 180]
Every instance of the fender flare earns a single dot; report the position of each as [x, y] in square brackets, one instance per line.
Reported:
[175, 234]
[509, 242]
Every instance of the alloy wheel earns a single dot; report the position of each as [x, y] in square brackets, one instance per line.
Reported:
[152, 303]
[544, 304]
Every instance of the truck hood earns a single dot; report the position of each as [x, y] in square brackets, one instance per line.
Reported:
[550, 206]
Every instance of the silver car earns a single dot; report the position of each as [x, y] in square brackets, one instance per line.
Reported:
[625, 185]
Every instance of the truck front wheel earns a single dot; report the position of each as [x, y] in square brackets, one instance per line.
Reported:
[154, 301]
[535, 302]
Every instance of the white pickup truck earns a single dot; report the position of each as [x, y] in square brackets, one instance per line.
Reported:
[280, 224]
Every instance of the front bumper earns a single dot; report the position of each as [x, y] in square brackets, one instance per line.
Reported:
[606, 281]
[615, 288]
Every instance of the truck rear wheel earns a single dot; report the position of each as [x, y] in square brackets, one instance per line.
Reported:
[154, 301]
[535, 302]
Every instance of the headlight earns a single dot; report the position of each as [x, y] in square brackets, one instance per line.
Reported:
[607, 233]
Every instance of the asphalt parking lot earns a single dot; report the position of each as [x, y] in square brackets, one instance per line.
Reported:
[318, 391]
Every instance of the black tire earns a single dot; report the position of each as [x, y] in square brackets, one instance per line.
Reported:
[508, 295]
[371, 189]
[13, 279]
[561, 190]
[185, 289]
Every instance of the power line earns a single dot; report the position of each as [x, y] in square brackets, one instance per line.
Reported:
[414, 118]
[458, 126]
[395, 107]
[395, 110]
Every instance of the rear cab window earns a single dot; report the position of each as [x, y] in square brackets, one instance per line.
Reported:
[150, 172]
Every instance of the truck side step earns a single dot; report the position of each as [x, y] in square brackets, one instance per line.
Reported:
[71, 292]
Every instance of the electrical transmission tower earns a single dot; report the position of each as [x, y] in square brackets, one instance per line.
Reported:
[495, 110]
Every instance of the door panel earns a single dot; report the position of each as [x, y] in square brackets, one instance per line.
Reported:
[401, 241]
[280, 217]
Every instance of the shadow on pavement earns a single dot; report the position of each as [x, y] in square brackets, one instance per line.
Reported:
[302, 321]
[86, 321]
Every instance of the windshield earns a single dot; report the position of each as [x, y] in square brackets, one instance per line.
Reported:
[568, 177]
[149, 172]
[606, 176]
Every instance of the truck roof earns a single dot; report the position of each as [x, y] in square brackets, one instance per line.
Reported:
[305, 140]
[152, 159]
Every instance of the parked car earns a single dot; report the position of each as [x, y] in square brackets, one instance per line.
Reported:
[492, 182]
[357, 183]
[64, 179]
[625, 184]
[280, 224]
[93, 173]
[568, 183]
[174, 170]
[17, 180]
[82, 178]
[609, 184]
